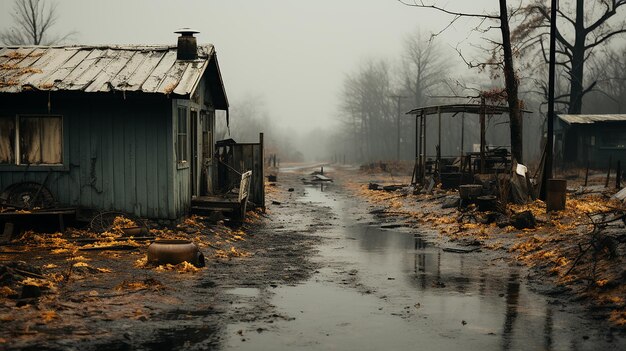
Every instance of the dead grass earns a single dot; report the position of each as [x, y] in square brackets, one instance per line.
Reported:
[551, 247]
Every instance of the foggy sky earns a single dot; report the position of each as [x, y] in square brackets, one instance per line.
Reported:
[294, 53]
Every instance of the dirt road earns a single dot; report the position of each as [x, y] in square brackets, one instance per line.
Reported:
[323, 271]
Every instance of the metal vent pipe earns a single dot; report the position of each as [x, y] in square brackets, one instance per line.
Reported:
[187, 48]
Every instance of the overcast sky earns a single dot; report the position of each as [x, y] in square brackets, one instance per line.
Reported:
[295, 53]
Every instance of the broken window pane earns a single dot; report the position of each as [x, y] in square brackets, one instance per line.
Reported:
[7, 140]
[41, 140]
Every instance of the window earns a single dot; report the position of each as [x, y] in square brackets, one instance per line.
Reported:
[614, 139]
[32, 140]
[181, 136]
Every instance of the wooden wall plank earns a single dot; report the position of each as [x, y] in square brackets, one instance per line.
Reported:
[129, 155]
[142, 176]
[152, 168]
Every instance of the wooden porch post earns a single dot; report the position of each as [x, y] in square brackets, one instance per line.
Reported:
[262, 172]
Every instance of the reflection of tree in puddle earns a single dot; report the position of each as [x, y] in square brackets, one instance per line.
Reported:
[512, 300]
[547, 331]
[420, 260]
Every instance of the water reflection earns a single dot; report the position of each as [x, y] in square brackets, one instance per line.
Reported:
[547, 332]
[512, 298]
[491, 299]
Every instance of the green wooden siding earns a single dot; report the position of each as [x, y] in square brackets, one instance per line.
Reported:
[119, 151]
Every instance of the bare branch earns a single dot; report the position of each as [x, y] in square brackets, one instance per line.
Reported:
[441, 9]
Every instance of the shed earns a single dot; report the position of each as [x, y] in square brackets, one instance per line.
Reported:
[590, 138]
[126, 128]
[481, 109]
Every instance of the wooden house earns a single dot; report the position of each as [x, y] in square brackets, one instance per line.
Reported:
[126, 128]
[590, 138]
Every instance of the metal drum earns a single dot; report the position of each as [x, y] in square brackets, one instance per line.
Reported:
[175, 252]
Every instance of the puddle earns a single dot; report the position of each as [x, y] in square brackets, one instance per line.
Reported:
[389, 289]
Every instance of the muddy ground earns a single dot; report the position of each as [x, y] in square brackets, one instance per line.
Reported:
[108, 302]
[325, 267]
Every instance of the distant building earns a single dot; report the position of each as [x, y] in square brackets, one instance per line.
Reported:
[127, 128]
[591, 138]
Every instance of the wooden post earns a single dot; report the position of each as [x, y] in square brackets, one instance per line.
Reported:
[439, 141]
[618, 175]
[608, 173]
[482, 135]
[587, 173]
[415, 176]
[263, 172]
[423, 147]
[462, 136]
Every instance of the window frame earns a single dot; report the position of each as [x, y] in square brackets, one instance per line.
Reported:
[185, 163]
[18, 166]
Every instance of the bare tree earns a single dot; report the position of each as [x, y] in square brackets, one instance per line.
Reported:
[511, 81]
[33, 22]
[608, 71]
[367, 111]
[592, 26]
[423, 68]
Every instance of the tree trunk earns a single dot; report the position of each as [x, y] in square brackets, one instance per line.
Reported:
[578, 62]
[511, 84]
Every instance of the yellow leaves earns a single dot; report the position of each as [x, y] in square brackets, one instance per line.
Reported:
[41, 283]
[237, 253]
[122, 222]
[614, 300]
[587, 205]
[6, 291]
[148, 283]
[142, 262]
[48, 316]
[562, 261]
[49, 266]
[601, 282]
[444, 220]
[618, 318]
[184, 267]
[134, 286]
[78, 258]
[194, 222]
[466, 226]
[228, 254]
[537, 207]
[564, 227]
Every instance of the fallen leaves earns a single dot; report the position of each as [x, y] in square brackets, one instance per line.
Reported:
[7, 291]
[48, 316]
[183, 267]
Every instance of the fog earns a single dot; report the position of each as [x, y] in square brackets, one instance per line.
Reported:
[291, 57]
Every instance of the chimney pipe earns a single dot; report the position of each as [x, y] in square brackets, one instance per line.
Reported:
[187, 48]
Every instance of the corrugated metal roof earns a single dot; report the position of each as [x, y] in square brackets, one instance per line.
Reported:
[589, 119]
[149, 69]
[458, 108]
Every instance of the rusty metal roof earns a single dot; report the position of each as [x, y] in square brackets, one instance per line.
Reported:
[149, 69]
[461, 108]
[589, 119]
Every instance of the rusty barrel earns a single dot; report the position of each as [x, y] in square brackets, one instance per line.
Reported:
[555, 194]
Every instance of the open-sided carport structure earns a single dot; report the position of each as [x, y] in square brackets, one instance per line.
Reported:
[480, 109]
